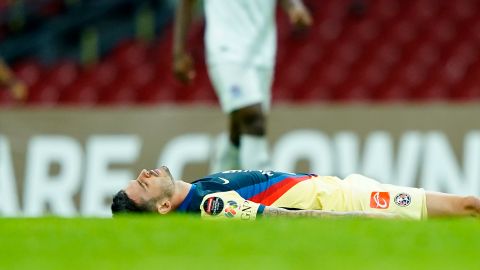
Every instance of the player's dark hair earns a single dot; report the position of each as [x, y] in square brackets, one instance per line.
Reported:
[122, 204]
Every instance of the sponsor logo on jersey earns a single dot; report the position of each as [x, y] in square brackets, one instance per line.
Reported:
[213, 206]
[403, 199]
[379, 200]
[230, 209]
[246, 211]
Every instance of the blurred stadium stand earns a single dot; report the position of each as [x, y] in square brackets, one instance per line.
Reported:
[105, 52]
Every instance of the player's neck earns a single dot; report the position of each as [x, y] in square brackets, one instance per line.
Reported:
[181, 191]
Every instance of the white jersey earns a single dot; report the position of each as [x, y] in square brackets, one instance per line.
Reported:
[240, 31]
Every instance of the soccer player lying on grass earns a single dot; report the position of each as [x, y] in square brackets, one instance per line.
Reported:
[245, 194]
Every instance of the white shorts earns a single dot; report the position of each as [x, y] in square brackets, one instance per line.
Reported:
[239, 86]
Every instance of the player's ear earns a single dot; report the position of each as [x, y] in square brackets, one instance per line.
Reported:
[163, 207]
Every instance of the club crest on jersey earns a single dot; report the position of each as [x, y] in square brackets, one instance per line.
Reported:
[213, 206]
[403, 199]
[379, 200]
[230, 211]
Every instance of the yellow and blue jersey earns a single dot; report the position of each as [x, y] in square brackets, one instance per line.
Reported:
[244, 194]
[262, 187]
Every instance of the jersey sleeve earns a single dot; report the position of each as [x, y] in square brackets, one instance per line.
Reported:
[229, 205]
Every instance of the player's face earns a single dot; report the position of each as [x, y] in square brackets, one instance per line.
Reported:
[150, 184]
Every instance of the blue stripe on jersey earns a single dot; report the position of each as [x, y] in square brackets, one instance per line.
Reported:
[260, 210]
[249, 191]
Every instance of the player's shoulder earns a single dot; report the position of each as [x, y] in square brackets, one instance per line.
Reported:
[231, 175]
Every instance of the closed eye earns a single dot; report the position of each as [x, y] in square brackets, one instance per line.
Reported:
[142, 184]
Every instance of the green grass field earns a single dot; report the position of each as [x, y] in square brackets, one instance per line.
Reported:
[184, 242]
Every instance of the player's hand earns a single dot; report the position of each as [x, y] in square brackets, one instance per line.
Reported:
[18, 90]
[300, 16]
[183, 68]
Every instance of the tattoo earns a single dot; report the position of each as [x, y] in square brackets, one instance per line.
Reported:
[281, 212]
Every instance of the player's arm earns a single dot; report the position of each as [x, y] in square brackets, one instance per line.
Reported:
[8, 80]
[229, 205]
[271, 211]
[297, 12]
[182, 61]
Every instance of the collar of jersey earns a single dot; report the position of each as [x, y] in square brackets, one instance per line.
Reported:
[183, 207]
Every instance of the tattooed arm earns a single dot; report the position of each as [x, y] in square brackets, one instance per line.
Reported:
[281, 212]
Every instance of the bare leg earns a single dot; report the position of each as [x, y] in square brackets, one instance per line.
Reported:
[232, 155]
[249, 132]
[247, 120]
[449, 205]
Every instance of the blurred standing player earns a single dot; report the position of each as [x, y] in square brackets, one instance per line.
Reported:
[240, 48]
[9, 82]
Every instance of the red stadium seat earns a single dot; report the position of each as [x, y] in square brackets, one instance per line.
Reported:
[383, 10]
[62, 74]
[395, 51]
[80, 94]
[311, 91]
[100, 75]
[401, 31]
[370, 75]
[43, 94]
[330, 74]
[440, 30]
[391, 91]
[352, 90]
[329, 30]
[347, 51]
[386, 55]
[6, 98]
[118, 94]
[139, 76]
[426, 53]
[461, 10]
[280, 93]
[466, 91]
[422, 10]
[411, 75]
[29, 71]
[365, 30]
[130, 54]
[292, 76]
[155, 92]
[204, 89]
[430, 90]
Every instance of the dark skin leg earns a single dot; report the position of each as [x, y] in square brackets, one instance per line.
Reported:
[248, 120]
